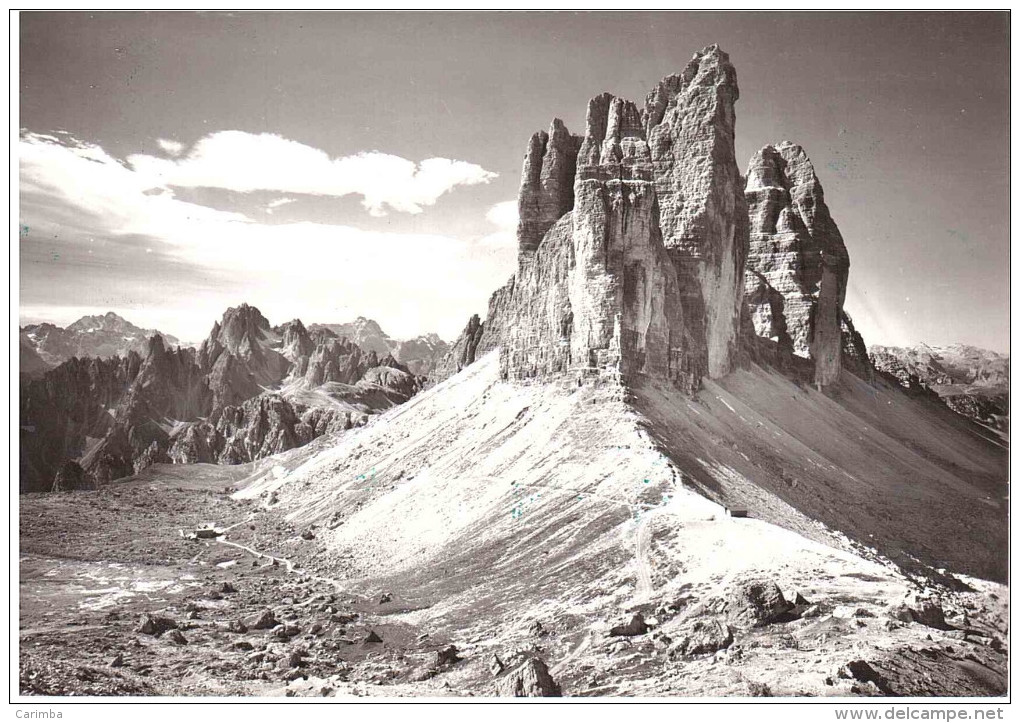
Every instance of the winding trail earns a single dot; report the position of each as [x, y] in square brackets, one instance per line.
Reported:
[289, 564]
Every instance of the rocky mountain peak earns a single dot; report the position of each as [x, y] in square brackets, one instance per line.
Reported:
[101, 335]
[109, 320]
[242, 327]
[156, 347]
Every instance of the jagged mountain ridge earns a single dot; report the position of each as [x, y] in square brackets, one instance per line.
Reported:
[420, 354]
[249, 391]
[102, 336]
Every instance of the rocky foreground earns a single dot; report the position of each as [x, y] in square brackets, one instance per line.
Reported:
[116, 601]
[504, 539]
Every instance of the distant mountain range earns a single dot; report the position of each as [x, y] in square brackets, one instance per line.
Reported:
[420, 354]
[102, 337]
[972, 381]
[250, 390]
[44, 346]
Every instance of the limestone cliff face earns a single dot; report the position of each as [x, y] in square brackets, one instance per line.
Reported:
[638, 268]
[690, 121]
[796, 250]
[625, 286]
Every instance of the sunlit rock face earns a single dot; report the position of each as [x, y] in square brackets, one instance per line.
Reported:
[631, 243]
[690, 122]
[797, 252]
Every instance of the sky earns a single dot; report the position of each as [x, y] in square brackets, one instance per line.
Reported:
[333, 165]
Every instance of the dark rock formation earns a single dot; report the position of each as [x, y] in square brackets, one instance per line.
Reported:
[797, 265]
[635, 626]
[71, 477]
[239, 355]
[258, 428]
[855, 352]
[66, 410]
[465, 349]
[701, 637]
[119, 416]
[169, 387]
[755, 602]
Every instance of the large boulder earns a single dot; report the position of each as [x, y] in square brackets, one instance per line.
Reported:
[531, 679]
[702, 636]
[754, 602]
[635, 626]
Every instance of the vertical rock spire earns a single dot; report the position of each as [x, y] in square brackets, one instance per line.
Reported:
[689, 120]
[797, 249]
[547, 185]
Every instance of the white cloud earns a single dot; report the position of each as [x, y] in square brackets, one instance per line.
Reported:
[504, 215]
[409, 282]
[173, 148]
[504, 240]
[244, 162]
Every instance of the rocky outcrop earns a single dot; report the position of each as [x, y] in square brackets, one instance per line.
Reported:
[246, 336]
[797, 265]
[263, 426]
[65, 411]
[752, 602]
[338, 360]
[855, 352]
[465, 348]
[296, 342]
[71, 477]
[531, 679]
[638, 268]
[169, 387]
